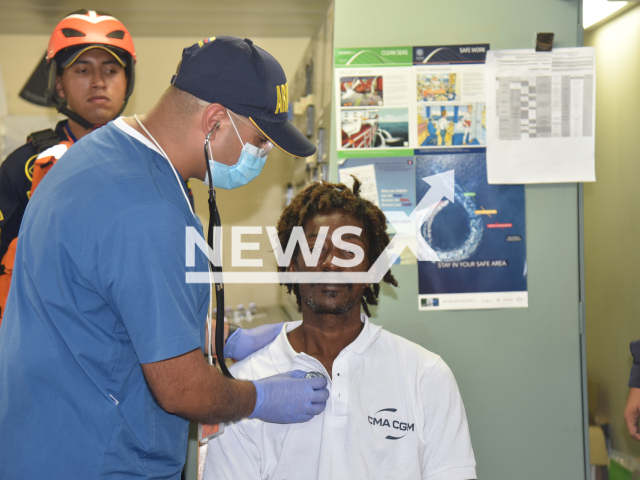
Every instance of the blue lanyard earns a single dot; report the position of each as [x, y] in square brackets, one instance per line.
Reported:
[70, 134]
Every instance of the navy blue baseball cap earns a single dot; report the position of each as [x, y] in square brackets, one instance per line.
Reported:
[246, 80]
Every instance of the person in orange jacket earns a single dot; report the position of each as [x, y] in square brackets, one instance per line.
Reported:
[88, 74]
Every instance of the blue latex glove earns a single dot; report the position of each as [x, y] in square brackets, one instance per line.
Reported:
[290, 398]
[244, 341]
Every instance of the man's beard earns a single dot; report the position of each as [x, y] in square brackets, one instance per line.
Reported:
[339, 309]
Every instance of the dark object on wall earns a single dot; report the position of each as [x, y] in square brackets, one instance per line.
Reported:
[544, 42]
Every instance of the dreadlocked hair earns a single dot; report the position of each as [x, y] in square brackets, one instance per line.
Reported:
[321, 197]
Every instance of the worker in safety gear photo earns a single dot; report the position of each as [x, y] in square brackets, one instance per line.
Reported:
[87, 73]
[394, 410]
[102, 342]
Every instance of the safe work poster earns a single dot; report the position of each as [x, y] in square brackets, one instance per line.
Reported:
[399, 98]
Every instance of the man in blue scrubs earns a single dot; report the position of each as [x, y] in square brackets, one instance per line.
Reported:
[101, 346]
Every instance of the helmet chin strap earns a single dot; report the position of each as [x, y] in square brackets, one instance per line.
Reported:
[63, 109]
[66, 111]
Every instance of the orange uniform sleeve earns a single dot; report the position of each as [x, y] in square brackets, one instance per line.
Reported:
[42, 165]
[46, 160]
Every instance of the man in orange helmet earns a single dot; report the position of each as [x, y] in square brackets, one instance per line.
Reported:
[88, 75]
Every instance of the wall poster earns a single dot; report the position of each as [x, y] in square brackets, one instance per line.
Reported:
[542, 115]
[478, 238]
[404, 114]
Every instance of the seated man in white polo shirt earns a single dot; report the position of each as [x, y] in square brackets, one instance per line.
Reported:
[394, 412]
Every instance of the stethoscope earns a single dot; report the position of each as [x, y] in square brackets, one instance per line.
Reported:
[214, 221]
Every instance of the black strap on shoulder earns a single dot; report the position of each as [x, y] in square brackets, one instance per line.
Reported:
[63, 109]
[44, 139]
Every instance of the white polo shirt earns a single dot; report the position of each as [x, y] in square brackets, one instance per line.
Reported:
[394, 412]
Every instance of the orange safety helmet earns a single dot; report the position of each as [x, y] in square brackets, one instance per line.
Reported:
[78, 32]
[88, 27]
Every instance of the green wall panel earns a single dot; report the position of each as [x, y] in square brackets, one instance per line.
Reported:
[519, 370]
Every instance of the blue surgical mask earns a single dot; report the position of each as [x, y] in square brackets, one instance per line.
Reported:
[248, 166]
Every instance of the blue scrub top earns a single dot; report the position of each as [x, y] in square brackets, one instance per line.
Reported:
[98, 288]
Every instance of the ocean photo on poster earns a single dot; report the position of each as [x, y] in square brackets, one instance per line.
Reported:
[393, 128]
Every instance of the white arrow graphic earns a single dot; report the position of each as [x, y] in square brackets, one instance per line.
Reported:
[408, 227]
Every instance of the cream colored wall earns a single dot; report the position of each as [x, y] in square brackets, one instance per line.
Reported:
[157, 60]
[612, 228]
[260, 204]
[19, 55]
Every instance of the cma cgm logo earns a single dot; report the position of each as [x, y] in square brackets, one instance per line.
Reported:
[383, 421]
